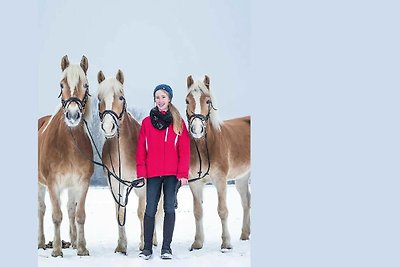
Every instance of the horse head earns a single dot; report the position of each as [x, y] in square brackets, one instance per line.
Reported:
[112, 104]
[74, 91]
[199, 107]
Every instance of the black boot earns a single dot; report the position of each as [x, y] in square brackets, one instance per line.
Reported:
[168, 230]
[148, 224]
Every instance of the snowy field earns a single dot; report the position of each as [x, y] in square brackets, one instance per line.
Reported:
[101, 233]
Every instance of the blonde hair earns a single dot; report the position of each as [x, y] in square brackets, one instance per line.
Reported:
[176, 119]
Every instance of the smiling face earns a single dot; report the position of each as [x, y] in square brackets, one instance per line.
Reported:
[162, 100]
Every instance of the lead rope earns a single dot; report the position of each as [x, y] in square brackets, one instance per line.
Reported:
[209, 162]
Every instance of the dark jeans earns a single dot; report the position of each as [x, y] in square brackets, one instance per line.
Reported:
[153, 191]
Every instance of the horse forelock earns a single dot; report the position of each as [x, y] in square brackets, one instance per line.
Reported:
[108, 88]
[73, 74]
[197, 89]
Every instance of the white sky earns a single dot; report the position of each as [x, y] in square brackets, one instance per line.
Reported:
[152, 43]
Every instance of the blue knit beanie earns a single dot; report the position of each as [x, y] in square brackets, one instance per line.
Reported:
[164, 87]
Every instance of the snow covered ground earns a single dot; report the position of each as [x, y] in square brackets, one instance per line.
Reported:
[101, 233]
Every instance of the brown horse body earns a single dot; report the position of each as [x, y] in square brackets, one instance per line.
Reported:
[64, 159]
[228, 146]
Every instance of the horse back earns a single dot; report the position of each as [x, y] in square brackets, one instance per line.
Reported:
[42, 122]
[235, 135]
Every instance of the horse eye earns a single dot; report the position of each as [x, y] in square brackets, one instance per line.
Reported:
[187, 102]
[121, 97]
[61, 85]
[208, 101]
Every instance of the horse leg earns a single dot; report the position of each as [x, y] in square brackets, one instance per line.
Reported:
[54, 194]
[223, 213]
[71, 206]
[242, 186]
[80, 217]
[197, 192]
[141, 193]
[41, 212]
[122, 242]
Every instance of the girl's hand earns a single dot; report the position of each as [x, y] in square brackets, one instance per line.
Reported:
[183, 181]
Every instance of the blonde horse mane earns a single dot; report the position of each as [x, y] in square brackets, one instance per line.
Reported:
[216, 123]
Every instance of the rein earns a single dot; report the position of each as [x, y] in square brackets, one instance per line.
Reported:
[204, 120]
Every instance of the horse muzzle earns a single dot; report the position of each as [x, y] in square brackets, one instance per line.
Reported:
[197, 128]
[72, 117]
[109, 129]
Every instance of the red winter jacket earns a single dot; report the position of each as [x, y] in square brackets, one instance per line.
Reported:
[162, 152]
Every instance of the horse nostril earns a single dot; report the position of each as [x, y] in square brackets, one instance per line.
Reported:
[68, 116]
[113, 127]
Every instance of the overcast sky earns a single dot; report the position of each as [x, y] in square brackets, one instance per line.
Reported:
[152, 42]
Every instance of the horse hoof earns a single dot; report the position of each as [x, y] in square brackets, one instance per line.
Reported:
[196, 246]
[224, 250]
[42, 245]
[57, 253]
[65, 244]
[83, 252]
[244, 237]
[120, 250]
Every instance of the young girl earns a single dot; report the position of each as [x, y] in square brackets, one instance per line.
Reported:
[162, 158]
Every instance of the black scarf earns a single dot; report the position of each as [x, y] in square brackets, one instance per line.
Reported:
[159, 120]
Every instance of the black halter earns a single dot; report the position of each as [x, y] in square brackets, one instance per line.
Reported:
[81, 103]
[204, 121]
[114, 115]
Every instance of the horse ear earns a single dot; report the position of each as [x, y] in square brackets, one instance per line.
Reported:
[206, 82]
[120, 76]
[84, 64]
[100, 76]
[189, 81]
[64, 62]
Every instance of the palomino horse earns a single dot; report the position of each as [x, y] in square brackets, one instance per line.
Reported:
[223, 148]
[65, 154]
[121, 131]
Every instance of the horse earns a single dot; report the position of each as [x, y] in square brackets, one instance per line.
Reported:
[223, 147]
[121, 132]
[65, 157]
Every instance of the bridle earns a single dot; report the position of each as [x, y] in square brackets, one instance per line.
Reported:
[116, 117]
[80, 103]
[204, 121]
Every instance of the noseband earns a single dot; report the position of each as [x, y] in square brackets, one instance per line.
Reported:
[81, 103]
[114, 115]
[201, 117]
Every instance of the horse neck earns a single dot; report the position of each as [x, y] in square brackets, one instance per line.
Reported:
[211, 140]
[128, 132]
